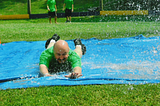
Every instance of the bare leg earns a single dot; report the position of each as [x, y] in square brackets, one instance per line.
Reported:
[70, 18]
[50, 20]
[78, 50]
[51, 44]
[67, 18]
[56, 19]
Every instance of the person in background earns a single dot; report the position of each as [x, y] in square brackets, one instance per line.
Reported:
[52, 10]
[68, 4]
[58, 57]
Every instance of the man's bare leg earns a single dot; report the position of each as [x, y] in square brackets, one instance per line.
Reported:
[70, 18]
[52, 42]
[50, 20]
[56, 19]
[78, 50]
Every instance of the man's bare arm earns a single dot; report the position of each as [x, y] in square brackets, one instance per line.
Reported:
[44, 70]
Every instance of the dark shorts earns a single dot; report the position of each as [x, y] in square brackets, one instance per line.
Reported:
[68, 12]
[52, 14]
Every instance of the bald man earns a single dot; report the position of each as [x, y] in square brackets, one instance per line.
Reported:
[58, 57]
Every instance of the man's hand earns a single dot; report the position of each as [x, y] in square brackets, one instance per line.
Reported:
[47, 75]
[73, 75]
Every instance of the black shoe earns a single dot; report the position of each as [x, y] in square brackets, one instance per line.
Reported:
[77, 42]
[54, 37]
[83, 47]
[67, 21]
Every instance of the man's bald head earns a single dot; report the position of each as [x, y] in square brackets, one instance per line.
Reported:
[61, 50]
[61, 45]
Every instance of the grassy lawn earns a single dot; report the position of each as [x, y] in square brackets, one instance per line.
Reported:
[12, 7]
[93, 95]
[81, 27]
[106, 27]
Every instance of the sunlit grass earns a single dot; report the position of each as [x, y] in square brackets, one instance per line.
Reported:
[105, 27]
[84, 95]
[40, 29]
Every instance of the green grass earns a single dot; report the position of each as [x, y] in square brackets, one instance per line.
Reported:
[12, 7]
[105, 27]
[90, 95]
[82, 27]
[40, 29]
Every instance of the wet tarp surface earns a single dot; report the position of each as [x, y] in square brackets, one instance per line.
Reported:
[134, 60]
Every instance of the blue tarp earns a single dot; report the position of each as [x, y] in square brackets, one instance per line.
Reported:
[134, 60]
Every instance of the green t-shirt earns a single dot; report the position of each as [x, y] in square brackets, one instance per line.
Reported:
[51, 4]
[68, 4]
[47, 58]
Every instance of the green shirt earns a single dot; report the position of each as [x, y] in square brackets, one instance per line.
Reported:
[51, 4]
[68, 3]
[48, 58]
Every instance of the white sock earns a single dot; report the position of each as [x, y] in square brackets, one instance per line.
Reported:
[52, 41]
[79, 46]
